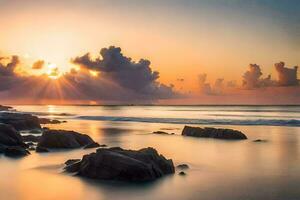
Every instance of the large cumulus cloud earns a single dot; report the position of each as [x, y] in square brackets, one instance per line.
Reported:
[252, 78]
[126, 73]
[286, 76]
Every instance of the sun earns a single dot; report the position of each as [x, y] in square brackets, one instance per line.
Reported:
[53, 71]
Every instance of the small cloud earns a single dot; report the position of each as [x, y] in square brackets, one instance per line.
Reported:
[38, 64]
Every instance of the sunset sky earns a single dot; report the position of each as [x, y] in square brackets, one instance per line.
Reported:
[202, 47]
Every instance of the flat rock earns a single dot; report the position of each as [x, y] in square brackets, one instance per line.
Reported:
[20, 121]
[124, 165]
[63, 139]
[219, 133]
[5, 108]
[162, 133]
[260, 140]
[49, 121]
[182, 173]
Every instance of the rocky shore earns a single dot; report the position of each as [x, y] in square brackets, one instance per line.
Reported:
[106, 163]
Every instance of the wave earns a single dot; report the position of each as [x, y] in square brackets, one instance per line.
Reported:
[255, 122]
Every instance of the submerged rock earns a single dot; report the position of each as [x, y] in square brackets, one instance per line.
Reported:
[218, 133]
[125, 165]
[260, 140]
[63, 139]
[50, 121]
[9, 136]
[20, 121]
[162, 133]
[182, 173]
[92, 145]
[182, 166]
[15, 151]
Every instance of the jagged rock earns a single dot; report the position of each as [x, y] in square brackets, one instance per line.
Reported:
[30, 143]
[20, 121]
[182, 166]
[92, 145]
[71, 161]
[63, 139]
[15, 151]
[9, 136]
[125, 165]
[218, 133]
[30, 138]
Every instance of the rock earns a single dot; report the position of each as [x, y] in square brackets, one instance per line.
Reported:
[183, 166]
[125, 165]
[30, 138]
[9, 136]
[41, 149]
[71, 161]
[218, 133]
[49, 121]
[63, 139]
[20, 121]
[15, 151]
[162, 133]
[102, 145]
[182, 173]
[260, 140]
[5, 108]
[92, 145]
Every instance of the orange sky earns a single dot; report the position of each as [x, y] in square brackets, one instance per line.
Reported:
[180, 41]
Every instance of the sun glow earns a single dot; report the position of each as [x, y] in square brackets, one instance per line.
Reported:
[53, 71]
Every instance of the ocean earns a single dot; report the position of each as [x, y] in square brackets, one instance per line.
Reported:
[218, 169]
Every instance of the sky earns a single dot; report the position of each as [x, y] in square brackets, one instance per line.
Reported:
[199, 51]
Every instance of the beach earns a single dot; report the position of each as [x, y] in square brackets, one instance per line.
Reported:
[219, 169]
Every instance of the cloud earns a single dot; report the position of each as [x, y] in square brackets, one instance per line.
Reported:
[207, 89]
[7, 69]
[252, 78]
[121, 70]
[286, 76]
[38, 64]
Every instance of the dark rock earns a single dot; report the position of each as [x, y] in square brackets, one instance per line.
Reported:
[63, 139]
[15, 151]
[182, 166]
[5, 108]
[218, 133]
[20, 121]
[41, 149]
[71, 161]
[125, 165]
[30, 138]
[9, 136]
[92, 145]
[162, 133]
[182, 173]
[49, 121]
[260, 140]
[102, 145]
